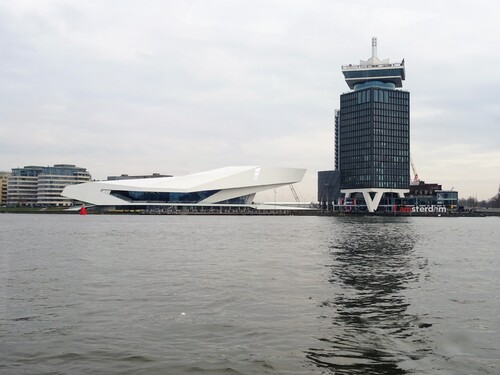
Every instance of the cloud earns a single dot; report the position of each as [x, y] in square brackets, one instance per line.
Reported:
[178, 87]
[447, 163]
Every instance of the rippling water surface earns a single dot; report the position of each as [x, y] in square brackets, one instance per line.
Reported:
[248, 295]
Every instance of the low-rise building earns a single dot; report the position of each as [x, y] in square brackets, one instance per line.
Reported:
[423, 194]
[4, 178]
[328, 189]
[22, 186]
[422, 197]
[42, 186]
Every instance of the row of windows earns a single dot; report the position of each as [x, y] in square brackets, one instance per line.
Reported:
[351, 167]
[356, 146]
[356, 184]
[52, 188]
[379, 94]
[392, 136]
[392, 171]
[399, 94]
[374, 179]
[13, 181]
[386, 114]
[384, 185]
[351, 138]
[380, 127]
[366, 176]
[348, 179]
[382, 142]
[381, 115]
[390, 152]
[385, 161]
[378, 166]
[379, 122]
[356, 159]
[391, 107]
[365, 96]
[394, 103]
[24, 173]
[378, 153]
[382, 161]
[362, 123]
[21, 181]
[64, 178]
[395, 136]
[398, 105]
[365, 149]
[373, 73]
[390, 145]
[360, 155]
[347, 115]
[390, 129]
[390, 117]
[389, 177]
[36, 173]
[350, 130]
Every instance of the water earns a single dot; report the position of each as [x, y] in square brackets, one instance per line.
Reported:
[248, 295]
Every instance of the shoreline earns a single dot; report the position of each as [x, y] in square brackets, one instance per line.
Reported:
[59, 211]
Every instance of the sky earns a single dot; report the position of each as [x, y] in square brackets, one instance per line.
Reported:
[178, 87]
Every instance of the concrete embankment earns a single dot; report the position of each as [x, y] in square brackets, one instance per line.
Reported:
[247, 212]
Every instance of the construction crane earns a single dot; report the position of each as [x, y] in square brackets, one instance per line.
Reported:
[415, 180]
[294, 193]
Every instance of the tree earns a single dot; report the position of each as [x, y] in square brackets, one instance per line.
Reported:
[468, 202]
[495, 201]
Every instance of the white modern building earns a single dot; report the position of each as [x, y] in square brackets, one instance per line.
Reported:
[223, 187]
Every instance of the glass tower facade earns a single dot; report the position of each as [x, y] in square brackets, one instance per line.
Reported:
[373, 127]
[374, 139]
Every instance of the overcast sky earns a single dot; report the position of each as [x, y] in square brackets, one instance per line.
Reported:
[178, 87]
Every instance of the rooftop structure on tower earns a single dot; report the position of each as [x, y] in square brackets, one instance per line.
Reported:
[374, 71]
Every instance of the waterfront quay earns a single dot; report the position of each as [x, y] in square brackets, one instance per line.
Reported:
[251, 212]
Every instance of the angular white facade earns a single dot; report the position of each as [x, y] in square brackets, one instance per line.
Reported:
[230, 185]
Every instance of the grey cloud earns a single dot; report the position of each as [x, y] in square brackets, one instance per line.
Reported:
[123, 87]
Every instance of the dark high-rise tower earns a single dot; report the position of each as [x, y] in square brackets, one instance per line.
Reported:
[373, 130]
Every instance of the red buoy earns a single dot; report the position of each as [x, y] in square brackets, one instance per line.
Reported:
[83, 210]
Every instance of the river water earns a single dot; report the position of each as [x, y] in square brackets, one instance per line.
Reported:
[102, 294]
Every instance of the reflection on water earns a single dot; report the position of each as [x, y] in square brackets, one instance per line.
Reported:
[369, 330]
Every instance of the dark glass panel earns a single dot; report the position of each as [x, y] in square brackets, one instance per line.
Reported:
[162, 197]
[373, 73]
